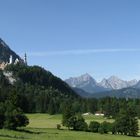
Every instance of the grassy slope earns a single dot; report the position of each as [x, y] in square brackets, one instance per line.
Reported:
[50, 121]
[43, 127]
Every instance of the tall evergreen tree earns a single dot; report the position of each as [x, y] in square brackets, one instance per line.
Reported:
[127, 122]
[67, 114]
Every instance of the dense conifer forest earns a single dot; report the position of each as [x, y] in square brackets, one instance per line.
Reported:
[40, 91]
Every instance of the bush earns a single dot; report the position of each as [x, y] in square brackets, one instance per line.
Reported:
[58, 126]
[94, 126]
[77, 123]
[14, 117]
[15, 120]
[81, 125]
[104, 127]
[113, 128]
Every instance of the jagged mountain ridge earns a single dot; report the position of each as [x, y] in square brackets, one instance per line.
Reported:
[115, 83]
[76, 81]
[5, 53]
[88, 84]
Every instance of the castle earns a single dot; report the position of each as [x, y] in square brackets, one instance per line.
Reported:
[4, 64]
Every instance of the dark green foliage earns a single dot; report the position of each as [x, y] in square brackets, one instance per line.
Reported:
[76, 106]
[58, 126]
[67, 115]
[77, 122]
[15, 118]
[2, 116]
[51, 107]
[11, 116]
[37, 76]
[80, 124]
[73, 121]
[104, 128]
[113, 128]
[40, 91]
[92, 105]
[94, 126]
[127, 122]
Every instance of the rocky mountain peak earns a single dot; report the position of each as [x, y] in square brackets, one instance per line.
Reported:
[114, 78]
[85, 82]
[86, 77]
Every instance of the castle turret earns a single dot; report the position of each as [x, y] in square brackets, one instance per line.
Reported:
[25, 59]
[11, 59]
[16, 61]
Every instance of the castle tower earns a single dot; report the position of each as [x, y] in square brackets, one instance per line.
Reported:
[16, 61]
[11, 59]
[25, 59]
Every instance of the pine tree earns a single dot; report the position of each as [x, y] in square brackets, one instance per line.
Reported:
[67, 114]
[127, 122]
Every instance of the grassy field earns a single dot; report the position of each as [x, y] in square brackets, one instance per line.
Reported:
[50, 121]
[43, 127]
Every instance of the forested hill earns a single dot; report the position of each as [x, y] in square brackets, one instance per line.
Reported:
[38, 90]
[37, 76]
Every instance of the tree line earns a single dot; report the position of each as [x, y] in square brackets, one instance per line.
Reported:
[125, 123]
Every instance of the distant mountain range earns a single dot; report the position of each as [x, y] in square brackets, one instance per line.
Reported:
[86, 83]
[92, 88]
[89, 84]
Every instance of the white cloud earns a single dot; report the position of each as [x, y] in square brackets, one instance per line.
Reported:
[80, 52]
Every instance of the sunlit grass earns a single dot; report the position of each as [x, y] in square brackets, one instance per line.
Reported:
[43, 127]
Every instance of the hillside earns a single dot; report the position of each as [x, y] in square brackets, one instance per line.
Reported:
[122, 93]
[82, 93]
[39, 90]
[36, 89]
[37, 76]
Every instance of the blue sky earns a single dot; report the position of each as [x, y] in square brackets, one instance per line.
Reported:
[72, 37]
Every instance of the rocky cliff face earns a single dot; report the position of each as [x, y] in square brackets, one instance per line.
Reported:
[6, 52]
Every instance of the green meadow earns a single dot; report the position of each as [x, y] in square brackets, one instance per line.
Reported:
[43, 127]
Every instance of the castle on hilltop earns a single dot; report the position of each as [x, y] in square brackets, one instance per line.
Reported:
[11, 61]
